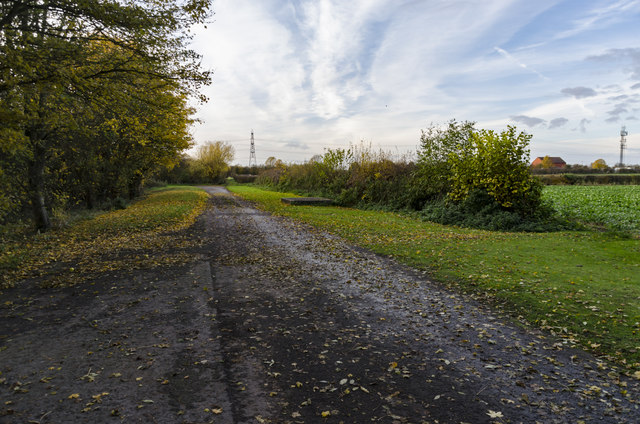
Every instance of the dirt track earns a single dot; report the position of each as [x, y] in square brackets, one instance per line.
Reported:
[276, 322]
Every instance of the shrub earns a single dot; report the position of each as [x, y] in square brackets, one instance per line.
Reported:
[433, 176]
[242, 178]
[555, 179]
[498, 165]
[480, 210]
[153, 182]
[459, 159]
[354, 176]
[269, 177]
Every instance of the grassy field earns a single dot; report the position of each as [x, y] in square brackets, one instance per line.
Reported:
[612, 207]
[583, 286]
[72, 252]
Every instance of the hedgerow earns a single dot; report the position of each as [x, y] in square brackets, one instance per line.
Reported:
[462, 176]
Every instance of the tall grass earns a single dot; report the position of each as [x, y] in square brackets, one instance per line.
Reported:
[358, 175]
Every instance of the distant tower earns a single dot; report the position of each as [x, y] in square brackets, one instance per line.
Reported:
[252, 154]
[623, 144]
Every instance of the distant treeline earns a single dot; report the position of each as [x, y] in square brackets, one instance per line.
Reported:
[590, 179]
[584, 169]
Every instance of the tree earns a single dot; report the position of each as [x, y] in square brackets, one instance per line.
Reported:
[214, 159]
[437, 144]
[315, 159]
[498, 165]
[599, 164]
[35, 31]
[57, 58]
[13, 158]
[270, 162]
[546, 163]
[458, 160]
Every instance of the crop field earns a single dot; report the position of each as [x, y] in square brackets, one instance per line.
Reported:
[614, 207]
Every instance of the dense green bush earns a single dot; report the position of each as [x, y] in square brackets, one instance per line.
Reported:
[459, 159]
[554, 179]
[480, 210]
[433, 176]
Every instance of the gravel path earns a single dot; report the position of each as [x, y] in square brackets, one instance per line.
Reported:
[276, 322]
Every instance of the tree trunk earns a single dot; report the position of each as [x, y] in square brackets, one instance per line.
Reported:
[135, 187]
[36, 189]
[89, 198]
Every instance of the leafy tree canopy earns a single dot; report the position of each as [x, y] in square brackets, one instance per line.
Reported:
[214, 159]
[97, 83]
[599, 164]
[546, 163]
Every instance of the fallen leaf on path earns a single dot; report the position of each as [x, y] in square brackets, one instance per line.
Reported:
[494, 414]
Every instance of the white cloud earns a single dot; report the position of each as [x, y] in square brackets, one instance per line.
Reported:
[519, 63]
[583, 124]
[528, 120]
[335, 34]
[557, 123]
[579, 92]
[591, 18]
[630, 56]
[323, 73]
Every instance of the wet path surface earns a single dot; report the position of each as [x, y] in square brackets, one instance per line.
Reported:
[277, 322]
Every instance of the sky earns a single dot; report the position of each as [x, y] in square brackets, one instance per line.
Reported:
[311, 75]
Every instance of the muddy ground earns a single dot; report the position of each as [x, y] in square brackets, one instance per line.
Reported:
[275, 322]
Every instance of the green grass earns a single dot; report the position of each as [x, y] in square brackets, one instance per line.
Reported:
[161, 208]
[583, 286]
[613, 207]
[145, 224]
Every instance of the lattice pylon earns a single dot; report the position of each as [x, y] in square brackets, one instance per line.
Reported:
[252, 152]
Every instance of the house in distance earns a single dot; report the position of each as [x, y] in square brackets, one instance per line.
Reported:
[549, 162]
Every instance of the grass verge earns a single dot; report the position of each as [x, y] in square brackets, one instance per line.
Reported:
[582, 286]
[120, 239]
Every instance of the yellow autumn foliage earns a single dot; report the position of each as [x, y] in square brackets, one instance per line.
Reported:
[120, 239]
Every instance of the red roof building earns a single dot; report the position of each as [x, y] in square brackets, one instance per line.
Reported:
[556, 162]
